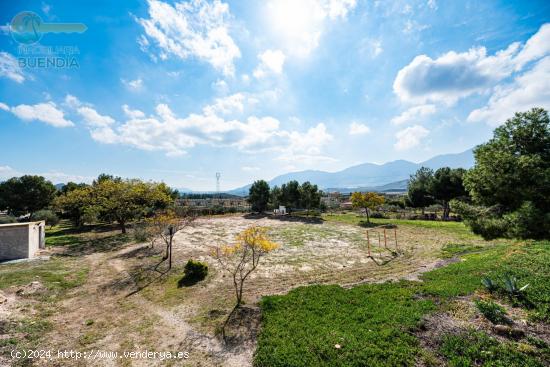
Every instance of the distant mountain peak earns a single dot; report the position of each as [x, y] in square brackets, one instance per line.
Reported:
[393, 174]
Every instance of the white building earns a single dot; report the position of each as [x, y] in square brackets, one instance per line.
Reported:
[21, 240]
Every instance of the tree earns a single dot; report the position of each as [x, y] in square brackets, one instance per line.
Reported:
[310, 197]
[80, 205]
[70, 186]
[165, 226]
[290, 195]
[48, 216]
[26, 195]
[242, 258]
[447, 184]
[418, 189]
[258, 196]
[125, 200]
[276, 197]
[367, 200]
[511, 179]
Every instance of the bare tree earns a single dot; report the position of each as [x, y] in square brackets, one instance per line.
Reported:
[165, 226]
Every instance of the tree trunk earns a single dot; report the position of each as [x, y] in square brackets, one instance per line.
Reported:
[446, 210]
[122, 226]
[170, 255]
[367, 211]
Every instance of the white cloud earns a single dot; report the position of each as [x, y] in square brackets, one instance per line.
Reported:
[4, 107]
[536, 47]
[432, 4]
[7, 172]
[250, 168]
[9, 68]
[191, 29]
[135, 85]
[72, 101]
[414, 114]
[165, 131]
[531, 89]
[220, 86]
[356, 128]
[410, 137]
[93, 118]
[132, 114]
[271, 61]
[453, 75]
[226, 105]
[412, 26]
[48, 113]
[298, 25]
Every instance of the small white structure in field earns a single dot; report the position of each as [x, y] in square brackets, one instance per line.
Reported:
[280, 211]
[21, 240]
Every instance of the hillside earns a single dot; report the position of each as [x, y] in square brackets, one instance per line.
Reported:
[390, 176]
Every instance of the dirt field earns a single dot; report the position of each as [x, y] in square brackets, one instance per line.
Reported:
[129, 303]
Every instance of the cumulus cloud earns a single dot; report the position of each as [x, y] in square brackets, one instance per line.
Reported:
[454, 75]
[197, 28]
[47, 112]
[133, 114]
[271, 61]
[167, 132]
[93, 118]
[410, 137]
[9, 68]
[414, 114]
[7, 172]
[528, 90]
[356, 128]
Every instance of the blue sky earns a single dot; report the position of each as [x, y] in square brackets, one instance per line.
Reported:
[176, 90]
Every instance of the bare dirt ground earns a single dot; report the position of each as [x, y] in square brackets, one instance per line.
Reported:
[129, 302]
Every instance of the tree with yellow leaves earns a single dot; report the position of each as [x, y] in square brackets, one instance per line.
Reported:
[241, 258]
[366, 200]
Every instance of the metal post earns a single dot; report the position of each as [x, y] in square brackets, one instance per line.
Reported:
[368, 243]
[171, 231]
[385, 240]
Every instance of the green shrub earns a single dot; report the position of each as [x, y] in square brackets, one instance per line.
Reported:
[194, 272]
[47, 215]
[489, 284]
[493, 312]
[7, 219]
[479, 349]
[379, 215]
[141, 232]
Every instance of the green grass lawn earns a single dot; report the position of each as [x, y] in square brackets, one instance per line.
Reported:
[374, 324]
[82, 241]
[358, 219]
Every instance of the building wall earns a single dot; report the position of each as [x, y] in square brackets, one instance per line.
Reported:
[14, 242]
[20, 240]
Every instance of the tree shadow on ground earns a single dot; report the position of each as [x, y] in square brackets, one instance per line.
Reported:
[365, 224]
[79, 246]
[243, 326]
[286, 218]
[137, 278]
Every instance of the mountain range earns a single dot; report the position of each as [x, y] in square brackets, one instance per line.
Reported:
[387, 177]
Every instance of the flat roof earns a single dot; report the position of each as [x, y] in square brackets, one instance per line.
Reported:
[21, 224]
